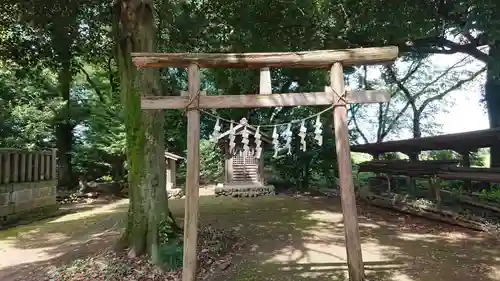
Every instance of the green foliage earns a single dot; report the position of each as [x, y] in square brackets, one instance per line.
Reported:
[166, 233]
[55, 38]
[101, 145]
[316, 166]
[211, 161]
[391, 156]
[476, 158]
[491, 194]
[171, 256]
[170, 251]
[26, 114]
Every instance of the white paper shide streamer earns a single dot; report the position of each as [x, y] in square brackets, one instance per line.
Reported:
[216, 132]
[231, 138]
[302, 135]
[257, 151]
[288, 138]
[244, 137]
[318, 131]
[258, 148]
[275, 141]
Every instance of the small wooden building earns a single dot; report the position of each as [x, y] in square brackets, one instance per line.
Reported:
[171, 165]
[238, 167]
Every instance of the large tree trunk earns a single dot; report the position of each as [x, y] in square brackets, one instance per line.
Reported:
[117, 169]
[64, 129]
[145, 138]
[492, 97]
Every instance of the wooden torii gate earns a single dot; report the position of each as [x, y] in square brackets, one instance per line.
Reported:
[195, 99]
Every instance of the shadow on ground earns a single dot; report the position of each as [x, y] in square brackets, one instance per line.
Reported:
[303, 239]
[288, 239]
[47, 243]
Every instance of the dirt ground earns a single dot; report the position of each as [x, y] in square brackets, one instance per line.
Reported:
[288, 239]
[35, 248]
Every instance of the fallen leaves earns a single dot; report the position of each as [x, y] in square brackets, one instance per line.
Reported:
[215, 250]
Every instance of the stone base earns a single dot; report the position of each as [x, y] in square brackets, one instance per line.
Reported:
[175, 193]
[244, 190]
[29, 216]
[26, 196]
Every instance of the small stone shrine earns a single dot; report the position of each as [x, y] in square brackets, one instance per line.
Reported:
[243, 161]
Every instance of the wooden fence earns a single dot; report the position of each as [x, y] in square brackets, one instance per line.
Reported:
[28, 180]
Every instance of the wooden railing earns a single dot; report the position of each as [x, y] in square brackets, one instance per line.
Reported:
[18, 165]
[28, 182]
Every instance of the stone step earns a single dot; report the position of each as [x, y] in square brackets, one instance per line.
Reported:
[244, 176]
[245, 167]
[245, 170]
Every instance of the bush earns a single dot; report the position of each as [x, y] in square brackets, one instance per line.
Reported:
[211, 164]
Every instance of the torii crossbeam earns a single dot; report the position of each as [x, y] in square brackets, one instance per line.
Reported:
[335, 94]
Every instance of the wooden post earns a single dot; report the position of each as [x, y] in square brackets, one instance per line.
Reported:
[54, 164]
[192, 178]
[29, 175]
[466, 163]
[173, 172]
[265, 87]
[15, 167]
[167, 173]
[48, 159]
[23, 167]
[353, 244]
[36, 169]
[230, 167]
[1, 168]
[42, 166]
[413, 156]
[261, 170]
[437, 189]
[376, 155]
[6, 167]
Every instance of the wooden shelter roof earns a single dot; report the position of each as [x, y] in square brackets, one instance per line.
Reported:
[172, 156]
[458, 142]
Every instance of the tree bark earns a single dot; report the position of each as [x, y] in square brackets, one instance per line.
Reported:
[417, 132]
[64, 129]
[148, 208]
[492, 97]
[117, 169]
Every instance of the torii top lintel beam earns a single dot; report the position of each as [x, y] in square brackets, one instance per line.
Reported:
[306, 59]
